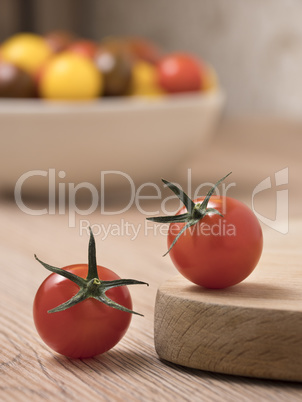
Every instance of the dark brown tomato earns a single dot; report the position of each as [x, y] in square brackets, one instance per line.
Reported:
[115, 64]
[15, 82]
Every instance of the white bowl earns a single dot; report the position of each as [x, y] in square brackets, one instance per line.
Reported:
[144, 139]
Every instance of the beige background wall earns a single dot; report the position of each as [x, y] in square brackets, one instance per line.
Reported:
[255, 45]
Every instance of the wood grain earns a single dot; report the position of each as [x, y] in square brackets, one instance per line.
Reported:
[252, 330]
[132, 371]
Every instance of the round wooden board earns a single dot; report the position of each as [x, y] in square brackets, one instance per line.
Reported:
[252, 329]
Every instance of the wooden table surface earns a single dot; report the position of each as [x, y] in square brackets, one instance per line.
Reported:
[131, 371]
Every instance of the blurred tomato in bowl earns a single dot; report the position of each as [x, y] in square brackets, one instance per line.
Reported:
[107, 106]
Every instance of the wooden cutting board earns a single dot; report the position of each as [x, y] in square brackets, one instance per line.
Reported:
[252, 329]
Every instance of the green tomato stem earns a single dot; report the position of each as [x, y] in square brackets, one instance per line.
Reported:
[195, 212]
[92, 286]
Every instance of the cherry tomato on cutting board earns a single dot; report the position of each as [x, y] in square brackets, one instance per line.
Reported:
[83, 310]
[214, 241]
[221, 251]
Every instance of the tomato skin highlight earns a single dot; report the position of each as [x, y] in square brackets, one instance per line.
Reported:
[218, 252]
[90, 327]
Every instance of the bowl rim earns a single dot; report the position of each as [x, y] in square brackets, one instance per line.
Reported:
[105, 105]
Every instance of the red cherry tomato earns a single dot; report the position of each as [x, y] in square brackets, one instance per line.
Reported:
[84, 47]
[144, 50]
[83, 310]
[213, 241]
[218, 251]
[87, 329]
[180, 73]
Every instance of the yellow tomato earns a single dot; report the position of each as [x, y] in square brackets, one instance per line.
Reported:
[26, 51]
[145, 81]
[210, 80]
[71, 77]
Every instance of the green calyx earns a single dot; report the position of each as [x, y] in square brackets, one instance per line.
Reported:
[195, 212]
[91, 286]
